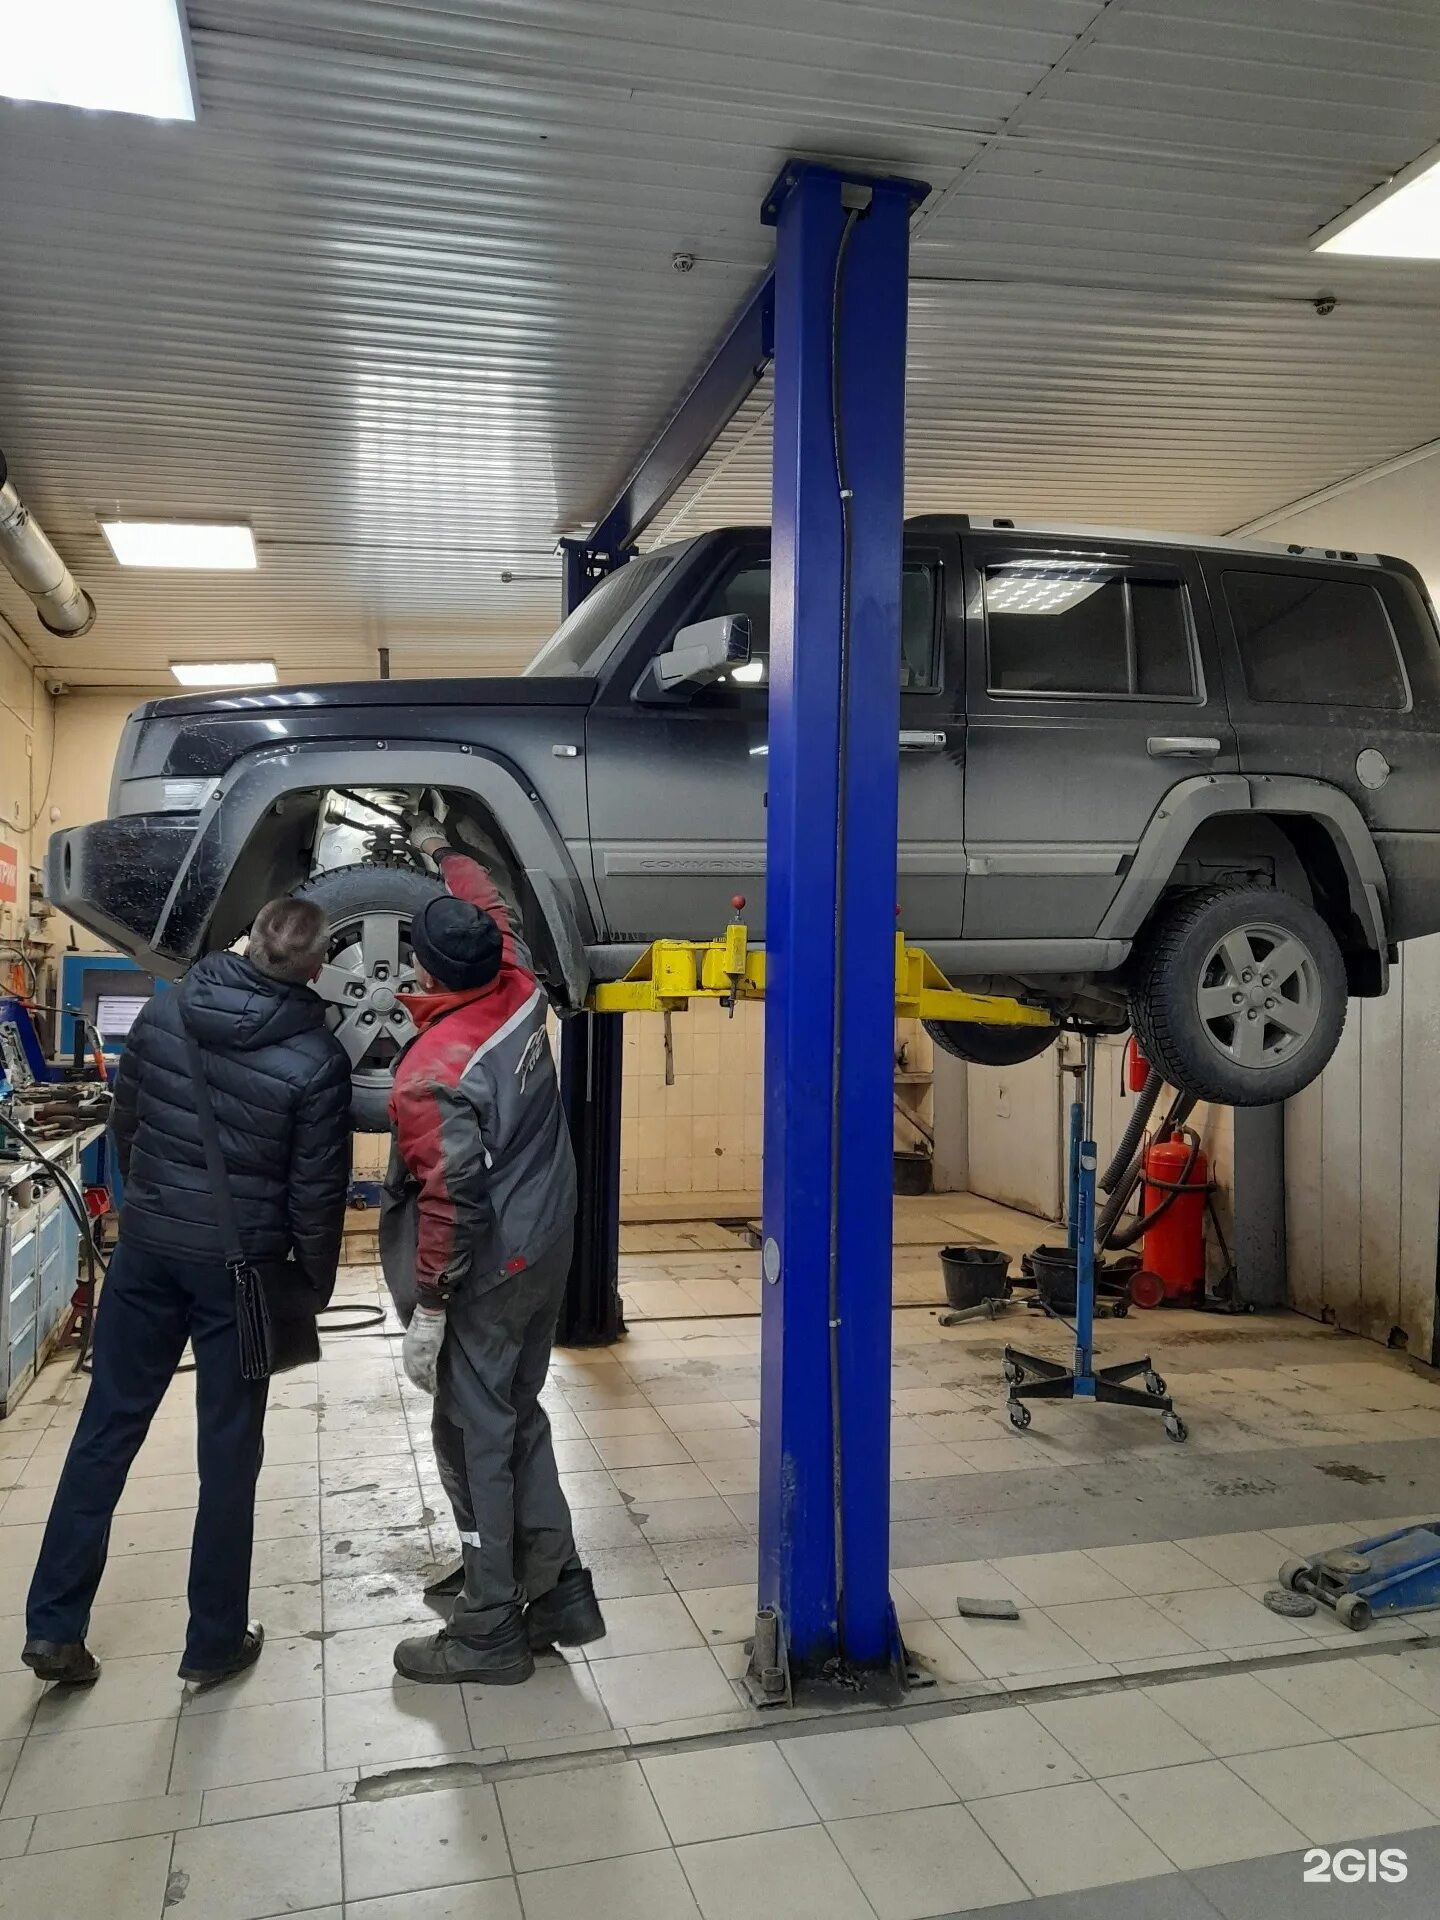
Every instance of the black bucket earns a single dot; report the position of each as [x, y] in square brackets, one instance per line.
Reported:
[1053, 1269]
[914, 1172]
[974, 1275]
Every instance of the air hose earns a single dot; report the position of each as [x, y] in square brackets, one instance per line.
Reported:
[1130, 1139]
[1181, 1107]
[1134, 1230]
[75, 1201]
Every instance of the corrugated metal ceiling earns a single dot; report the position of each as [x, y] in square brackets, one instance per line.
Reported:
[404, 298]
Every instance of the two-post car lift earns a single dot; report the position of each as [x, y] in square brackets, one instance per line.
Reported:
[832, 317]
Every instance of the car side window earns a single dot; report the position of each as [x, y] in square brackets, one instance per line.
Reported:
[1090, 631]
[746, 590]
[1314, 641]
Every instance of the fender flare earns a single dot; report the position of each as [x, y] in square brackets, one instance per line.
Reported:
[1190, 803]
[254, 785]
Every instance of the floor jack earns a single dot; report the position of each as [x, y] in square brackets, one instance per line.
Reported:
[1030, 1376]
[1393, 1573]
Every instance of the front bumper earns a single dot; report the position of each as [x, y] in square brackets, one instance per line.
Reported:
[116, 877]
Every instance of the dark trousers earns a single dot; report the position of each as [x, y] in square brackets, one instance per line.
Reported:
[493, 1446]
[150, 1305]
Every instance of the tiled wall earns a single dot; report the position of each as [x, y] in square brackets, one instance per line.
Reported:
[703, 1134]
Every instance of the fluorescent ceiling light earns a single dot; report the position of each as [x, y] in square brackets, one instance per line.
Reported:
[120, 56]
[224, 673]
[1399, 221]
[179, 543]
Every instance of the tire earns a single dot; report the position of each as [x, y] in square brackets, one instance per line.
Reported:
[1206, 955]
[388, 898]
[990, 1046]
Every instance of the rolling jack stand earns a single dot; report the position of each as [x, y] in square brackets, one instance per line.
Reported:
[1030, 1376]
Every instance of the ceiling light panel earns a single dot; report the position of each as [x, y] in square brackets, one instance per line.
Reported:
[205, 545]
[1399, 221]
[224, 673]
[117, 56]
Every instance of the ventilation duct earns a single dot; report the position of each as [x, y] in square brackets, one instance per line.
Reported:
[63, 605]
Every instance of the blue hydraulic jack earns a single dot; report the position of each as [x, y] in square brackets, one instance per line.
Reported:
[1032, 1377]
[1394, 1573]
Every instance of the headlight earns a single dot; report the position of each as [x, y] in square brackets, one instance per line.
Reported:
[163, 795]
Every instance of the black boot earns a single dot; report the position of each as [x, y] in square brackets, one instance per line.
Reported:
[249, 1652]
[568, 1615]
[65, 1663]
[499, 1658]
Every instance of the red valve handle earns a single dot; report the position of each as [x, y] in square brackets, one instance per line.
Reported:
[737, 901]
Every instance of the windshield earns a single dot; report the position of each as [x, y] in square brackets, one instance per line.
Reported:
[581, 644]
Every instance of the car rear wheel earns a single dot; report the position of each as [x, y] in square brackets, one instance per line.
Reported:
[1240, 995]
[990, 1046]
[371, 910]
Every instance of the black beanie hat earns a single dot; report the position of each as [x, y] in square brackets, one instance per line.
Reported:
[457, 942]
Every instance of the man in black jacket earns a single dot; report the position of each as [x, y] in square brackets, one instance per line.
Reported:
[280, 1087]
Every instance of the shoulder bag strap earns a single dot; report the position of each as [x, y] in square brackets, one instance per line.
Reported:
[214, 1154]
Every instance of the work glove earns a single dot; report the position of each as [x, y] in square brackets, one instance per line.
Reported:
[427, 835]
[420, 1354]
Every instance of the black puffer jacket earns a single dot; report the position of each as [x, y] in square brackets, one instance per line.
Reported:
[280, 1086]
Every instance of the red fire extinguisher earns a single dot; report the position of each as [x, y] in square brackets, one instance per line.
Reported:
[1137, 1067]
[1177, 1179]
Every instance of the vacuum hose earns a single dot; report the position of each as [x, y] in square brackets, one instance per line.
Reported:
[1181, 1107]
[1130, 1139]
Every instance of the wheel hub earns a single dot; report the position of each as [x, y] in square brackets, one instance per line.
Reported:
[1259, 996]
[371, 964]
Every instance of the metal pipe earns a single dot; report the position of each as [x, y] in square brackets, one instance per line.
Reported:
[62, 603]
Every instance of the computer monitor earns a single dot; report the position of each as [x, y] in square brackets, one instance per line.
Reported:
[109, 990]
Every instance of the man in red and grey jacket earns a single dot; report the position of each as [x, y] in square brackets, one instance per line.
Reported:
[475, 1238]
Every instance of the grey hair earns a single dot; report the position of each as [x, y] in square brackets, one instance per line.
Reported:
[289, 940]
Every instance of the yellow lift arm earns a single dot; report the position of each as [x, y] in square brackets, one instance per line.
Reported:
[672, 973]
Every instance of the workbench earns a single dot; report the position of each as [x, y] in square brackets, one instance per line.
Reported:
[39, 1261]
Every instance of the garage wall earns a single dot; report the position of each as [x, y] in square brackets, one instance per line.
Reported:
[26, 743]
[1019, 1118]
[87, 732]
[1362, 1146]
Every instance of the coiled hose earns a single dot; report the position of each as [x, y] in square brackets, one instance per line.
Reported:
[1181, 1107]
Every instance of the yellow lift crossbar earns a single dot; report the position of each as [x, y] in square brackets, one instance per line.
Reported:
[672, 973]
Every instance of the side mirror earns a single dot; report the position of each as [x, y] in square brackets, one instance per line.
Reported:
[702, 654]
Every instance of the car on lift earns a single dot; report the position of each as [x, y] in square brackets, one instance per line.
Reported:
[1182, 785]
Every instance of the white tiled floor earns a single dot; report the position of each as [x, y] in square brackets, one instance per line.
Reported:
[321, 1786]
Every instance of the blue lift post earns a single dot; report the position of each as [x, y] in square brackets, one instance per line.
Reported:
[841, 274]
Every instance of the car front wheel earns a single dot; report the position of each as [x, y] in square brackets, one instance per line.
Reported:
[1239, 996]
[371, 962]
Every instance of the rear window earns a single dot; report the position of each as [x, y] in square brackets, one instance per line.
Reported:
[1096, 631]
[1314, 642]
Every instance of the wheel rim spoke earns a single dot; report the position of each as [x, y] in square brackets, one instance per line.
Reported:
[1217, 1003]
[336, 985]
[380, 943]
[1295, 1017]
[355, 1037]
[1284, 962]
[1235, 951]
[1249, 1042]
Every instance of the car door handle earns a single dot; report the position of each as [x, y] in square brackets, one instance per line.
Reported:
[1182, 746]
[921, 740]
